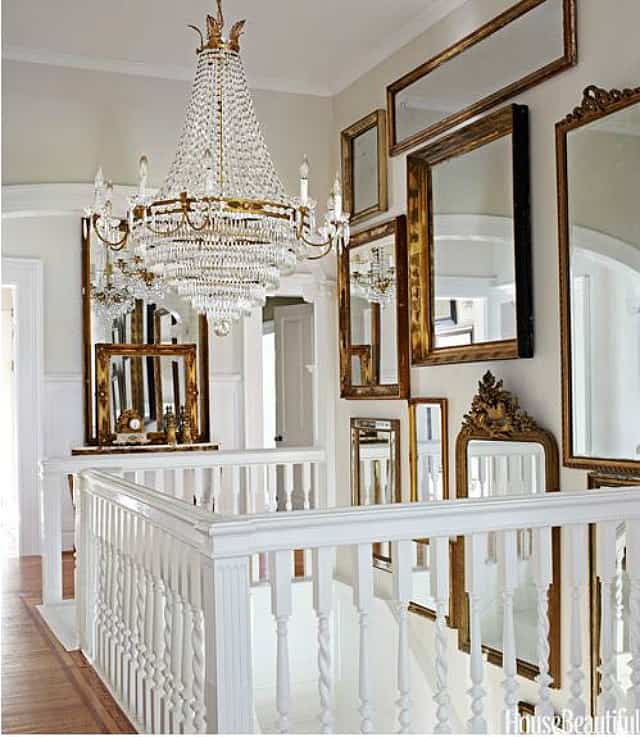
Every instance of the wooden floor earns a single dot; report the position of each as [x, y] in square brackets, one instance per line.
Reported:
[44, 688]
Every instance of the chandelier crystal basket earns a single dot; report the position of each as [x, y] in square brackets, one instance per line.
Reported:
[221, 229]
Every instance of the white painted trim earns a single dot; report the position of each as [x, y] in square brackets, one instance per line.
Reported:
[47, 200]
[27, 276]
[374, 55]
[226, 378]
[62, 378]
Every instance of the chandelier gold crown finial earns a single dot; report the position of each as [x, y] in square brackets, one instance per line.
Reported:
[215, 40]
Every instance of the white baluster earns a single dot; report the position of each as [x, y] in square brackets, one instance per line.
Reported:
[474, 555]
[149, 556]
[280, 569]
[178, 483]
[288, 486]
[130, 593]
[216, 487]
[401, 557]
[176, 653]
[367, 482]
[363, 600]
[138, 478]
[272, 488]
[197, 644]
[199, 496]
[508, 561]
[543, 576]
[159, 605]
[632, 528]
[235, 488]
[606, 572]
[577, 569]
[306, 484]
[439, 574]
[322, 603]
[141, 648]
[188, 617]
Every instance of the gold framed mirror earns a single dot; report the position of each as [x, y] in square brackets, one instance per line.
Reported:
[166, 319]
[364, 166]
[376, 471]
[373, 317]
[621, 597]
[429, 473]
[116, 369]
[598, 165]
[527, 43]
[469, 235]
[499, 448]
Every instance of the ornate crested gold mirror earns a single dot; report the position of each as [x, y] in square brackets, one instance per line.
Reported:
[470, 243]
[364, 166]
[375, 471]
[598, 158]
[374, 331]
[501, 450]
[620, 608]
[528, 42]
[116, 313]
[429, 471]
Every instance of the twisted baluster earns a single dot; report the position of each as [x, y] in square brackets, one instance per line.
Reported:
[544, 680]
[363, 600]
[477, 723]
[324, 668]
[101, 604]
[404, 702]
[197, 643]
[282, 686]
[607, 700]
[509, 665]
[576, 676]
[441, 696]
[177, 698]
[366, 712]
[141, 649]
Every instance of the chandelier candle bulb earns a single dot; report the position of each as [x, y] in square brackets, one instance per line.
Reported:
[304, 180]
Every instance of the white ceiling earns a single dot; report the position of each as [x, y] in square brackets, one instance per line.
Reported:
[290, 45]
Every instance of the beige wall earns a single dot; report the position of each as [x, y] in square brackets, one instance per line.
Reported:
[608, 56]
[60, 124]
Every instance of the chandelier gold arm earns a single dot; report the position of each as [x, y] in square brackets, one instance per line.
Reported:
[114, 246]
[319, 255]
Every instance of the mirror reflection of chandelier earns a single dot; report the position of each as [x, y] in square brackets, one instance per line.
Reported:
[374, 275]
[221, 229]
[109, 297]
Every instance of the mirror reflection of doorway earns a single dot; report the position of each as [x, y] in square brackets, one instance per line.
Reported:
[287, 379]
[9, 513]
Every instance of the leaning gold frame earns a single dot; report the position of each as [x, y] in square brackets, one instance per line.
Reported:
[568, 59]
[104, 353]
[89, 403]
[596, 481]
[509, 121]
[373, 390]
[413, 473]
[378, 120]
[596, 103]
[495, 415]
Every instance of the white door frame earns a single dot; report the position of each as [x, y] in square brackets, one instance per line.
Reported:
[26, 275]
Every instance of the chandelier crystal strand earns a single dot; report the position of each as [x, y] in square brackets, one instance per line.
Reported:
[221, 230]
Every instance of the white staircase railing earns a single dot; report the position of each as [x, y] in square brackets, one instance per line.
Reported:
[232, 482]
[164, 598]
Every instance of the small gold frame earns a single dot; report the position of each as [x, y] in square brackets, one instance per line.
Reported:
[371, 389]
[104, 353]
[509, 121]
[495, 414]
[596, 103]
[378, 120]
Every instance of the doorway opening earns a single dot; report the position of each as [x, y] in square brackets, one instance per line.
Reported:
[287, 386]
[9, 510]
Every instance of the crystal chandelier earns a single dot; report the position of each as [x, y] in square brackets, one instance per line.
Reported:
[110, 299]
[375, 277]
[221, 230]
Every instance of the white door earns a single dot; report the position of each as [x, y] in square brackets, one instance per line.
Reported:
[293, 327]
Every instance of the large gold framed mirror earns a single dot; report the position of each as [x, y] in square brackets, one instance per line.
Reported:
[153, 320]
[429, 473]
[373, 320]
[528, 42]
[620, 604]
[470, 243]
[376, 471]
[364, 166]
[598, 159]
[501, 450]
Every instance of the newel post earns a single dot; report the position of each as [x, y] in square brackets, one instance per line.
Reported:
[227, 633]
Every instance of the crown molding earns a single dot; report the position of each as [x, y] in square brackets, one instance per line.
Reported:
[40, 200]
[173, 72]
